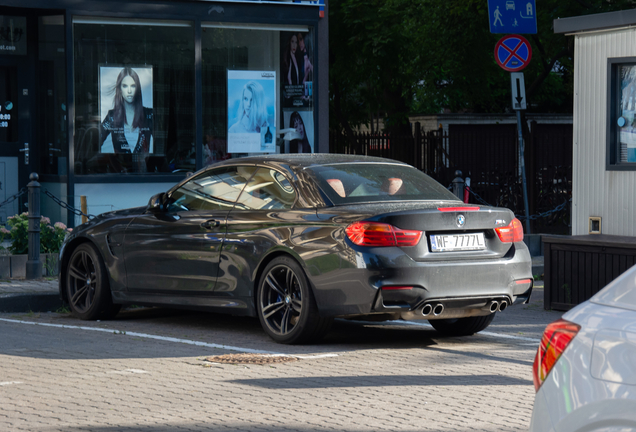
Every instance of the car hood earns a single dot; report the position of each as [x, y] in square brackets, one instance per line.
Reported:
[103, 217]
[620, 293]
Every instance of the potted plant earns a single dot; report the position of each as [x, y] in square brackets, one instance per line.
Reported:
[51, 238]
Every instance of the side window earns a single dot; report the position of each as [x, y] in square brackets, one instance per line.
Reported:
[621, 114]
[216, 189]
[267, 189]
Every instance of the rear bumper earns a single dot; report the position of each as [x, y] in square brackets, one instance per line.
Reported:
[465, 287]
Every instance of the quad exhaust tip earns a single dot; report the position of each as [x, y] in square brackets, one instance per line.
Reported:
[502, 306]
[427, 309]
[438, 309]
[494, 306]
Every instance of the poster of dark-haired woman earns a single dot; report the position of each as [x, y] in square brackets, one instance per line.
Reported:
[303, 122]
[297, 69]
[126, 110]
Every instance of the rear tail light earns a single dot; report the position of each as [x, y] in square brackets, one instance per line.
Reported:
[457, 209]
[556, 337]
[512, 233]
[381, 234]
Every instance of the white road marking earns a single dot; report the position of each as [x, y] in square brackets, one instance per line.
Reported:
[107, 373]
[10, 382]
[128, 372]
[168, 339]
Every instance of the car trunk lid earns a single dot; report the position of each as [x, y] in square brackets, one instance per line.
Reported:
[450, 229]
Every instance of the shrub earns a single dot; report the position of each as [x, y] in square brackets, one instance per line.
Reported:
[51, 236]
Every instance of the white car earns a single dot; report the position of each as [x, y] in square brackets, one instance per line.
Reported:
[585, 368]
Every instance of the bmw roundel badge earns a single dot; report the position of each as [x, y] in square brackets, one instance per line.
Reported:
[461, 220]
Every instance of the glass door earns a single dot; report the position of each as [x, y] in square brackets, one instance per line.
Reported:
[14, 125]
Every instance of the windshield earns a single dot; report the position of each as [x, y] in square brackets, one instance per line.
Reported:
[376, 182]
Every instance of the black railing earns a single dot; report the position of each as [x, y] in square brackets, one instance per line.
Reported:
[488, 155]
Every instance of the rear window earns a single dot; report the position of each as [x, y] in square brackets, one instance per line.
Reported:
[374, 182]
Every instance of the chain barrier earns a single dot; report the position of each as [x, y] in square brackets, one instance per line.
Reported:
[478, 198]
[61, 203]
[547, 213]
[557, 209]
[14, 197]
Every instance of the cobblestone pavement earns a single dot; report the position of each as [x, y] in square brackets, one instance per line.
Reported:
[139, 373]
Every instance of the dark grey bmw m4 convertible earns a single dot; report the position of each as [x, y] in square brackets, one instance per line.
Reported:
[298, 240]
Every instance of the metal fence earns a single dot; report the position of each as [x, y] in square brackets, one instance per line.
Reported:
[488, 154]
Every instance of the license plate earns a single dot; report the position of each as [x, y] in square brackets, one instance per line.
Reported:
[457, 242]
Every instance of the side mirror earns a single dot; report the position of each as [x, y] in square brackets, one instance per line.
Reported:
[157, 203]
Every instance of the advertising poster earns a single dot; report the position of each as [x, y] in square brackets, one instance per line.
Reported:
[297, 69]
[125, 109]
[303, 122]
[626, 121]
[251, 111]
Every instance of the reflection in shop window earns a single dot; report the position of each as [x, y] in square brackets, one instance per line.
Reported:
[286, 52]
[134, 96]
[626, 122]
[214, 190]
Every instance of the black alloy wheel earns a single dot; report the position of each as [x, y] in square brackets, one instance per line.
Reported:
[286, 306]
[87, 287]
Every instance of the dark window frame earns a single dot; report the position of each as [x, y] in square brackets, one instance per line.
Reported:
[612, 150]
[282, 14]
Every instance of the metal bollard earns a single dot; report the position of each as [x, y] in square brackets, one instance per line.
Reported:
[458, 185]
[34, 265]
[83, 207]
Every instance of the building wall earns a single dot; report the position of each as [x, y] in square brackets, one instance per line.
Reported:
[595, 190]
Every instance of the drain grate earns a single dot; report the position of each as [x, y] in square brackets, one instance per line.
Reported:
[257, 359]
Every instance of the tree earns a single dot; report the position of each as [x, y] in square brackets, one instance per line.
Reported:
[399, 57]
[373, 56]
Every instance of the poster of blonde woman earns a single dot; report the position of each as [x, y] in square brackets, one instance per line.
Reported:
[251, 111]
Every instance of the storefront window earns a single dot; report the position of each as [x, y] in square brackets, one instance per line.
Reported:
[52, 125]
[134, 96]
[626, 122]
[257, 81]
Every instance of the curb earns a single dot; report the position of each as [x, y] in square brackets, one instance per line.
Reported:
[30, 302]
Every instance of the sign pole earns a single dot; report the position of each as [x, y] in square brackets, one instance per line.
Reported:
[522, 162]
[513, 53]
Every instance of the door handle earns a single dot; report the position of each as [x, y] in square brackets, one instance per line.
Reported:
[25, 150]
[211, 224]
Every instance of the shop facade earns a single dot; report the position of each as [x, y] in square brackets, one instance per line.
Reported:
[118, 100]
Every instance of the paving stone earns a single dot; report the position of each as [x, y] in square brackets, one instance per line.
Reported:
[386, 376]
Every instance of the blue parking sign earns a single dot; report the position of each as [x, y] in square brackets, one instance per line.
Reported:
[512, 16]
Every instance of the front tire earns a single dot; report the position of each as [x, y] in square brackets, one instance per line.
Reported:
[286, 306]
[462, 326]
[87, 287]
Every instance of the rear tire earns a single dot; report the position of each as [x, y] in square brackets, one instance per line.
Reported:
[286, 306]
[462, 326]
[87, 287]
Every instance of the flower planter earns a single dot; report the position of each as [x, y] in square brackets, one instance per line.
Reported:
[14, 266]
